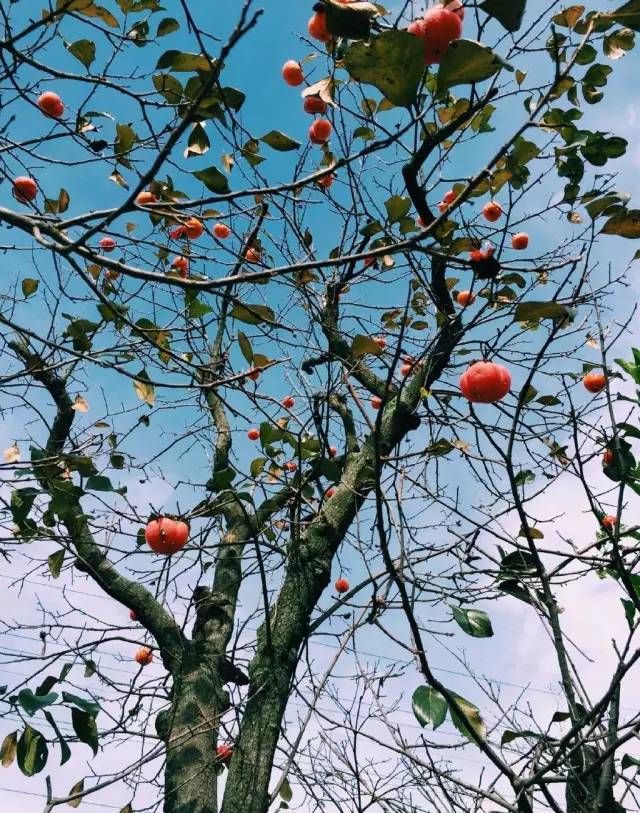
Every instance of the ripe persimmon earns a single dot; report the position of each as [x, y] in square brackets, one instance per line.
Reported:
[224, 753]
[314, 104]
[253, 434]
[609, 522]
[193, 228]
[595, 382]
[25, 188]
[146, 197]
[320, 131]
[317, 27]
[376, 402]
[438, 28]
[292, 73]
[181, 265]
[107, 243]
[144, 656]
[485, 382]
[520, 241]
[221, 231]
[288, 402]
[327, 181]
[465, 298]
[50, 104]
[341, 585]
[166, 536]
[492, 211]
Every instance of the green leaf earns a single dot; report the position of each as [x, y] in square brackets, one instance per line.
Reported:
[365, 133]
[632, 369]
[245, 347]
[623, 464]
[532, 311]
[548, 400]
[279, 141]
[84, 725]
[351, 21]
[467, 61]
[29, 286]
[429, 706]
[517, 562]
[89, 706]
[607, 204]
[167, 26]
[524, 476]
[257, 466]
[468, 716]
[99, 482]
[65, 751]
[32, 751]
[397, 207]
[83, 50]
[392, 62]
[624, 224]
[55, 561]
[440, 447]
[371, 228]
[22, 500]
[252, 314]
[627, 15]
[233, 98]
[510, 736]
[213, 179]
[198, 143]
[363, 345]
[285, 791]
[168, 87]
[629, 762]
[513, 588]
[509, 13]
[617, 44]
[8, 749]
[183, 62]
[126, 137]
[474, 622]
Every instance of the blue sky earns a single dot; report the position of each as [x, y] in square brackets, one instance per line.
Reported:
[514, 654]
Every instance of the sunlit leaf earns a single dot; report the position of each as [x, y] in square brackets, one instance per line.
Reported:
[429, 706]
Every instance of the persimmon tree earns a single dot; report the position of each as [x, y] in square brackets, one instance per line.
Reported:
[287, 395]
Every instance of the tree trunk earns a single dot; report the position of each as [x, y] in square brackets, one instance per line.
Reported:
[189, 730]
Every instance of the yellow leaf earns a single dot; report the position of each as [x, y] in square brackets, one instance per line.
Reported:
[80, 404]
[145, 391]
[12, 454]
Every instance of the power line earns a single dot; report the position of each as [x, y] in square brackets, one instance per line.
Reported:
[379, 656]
